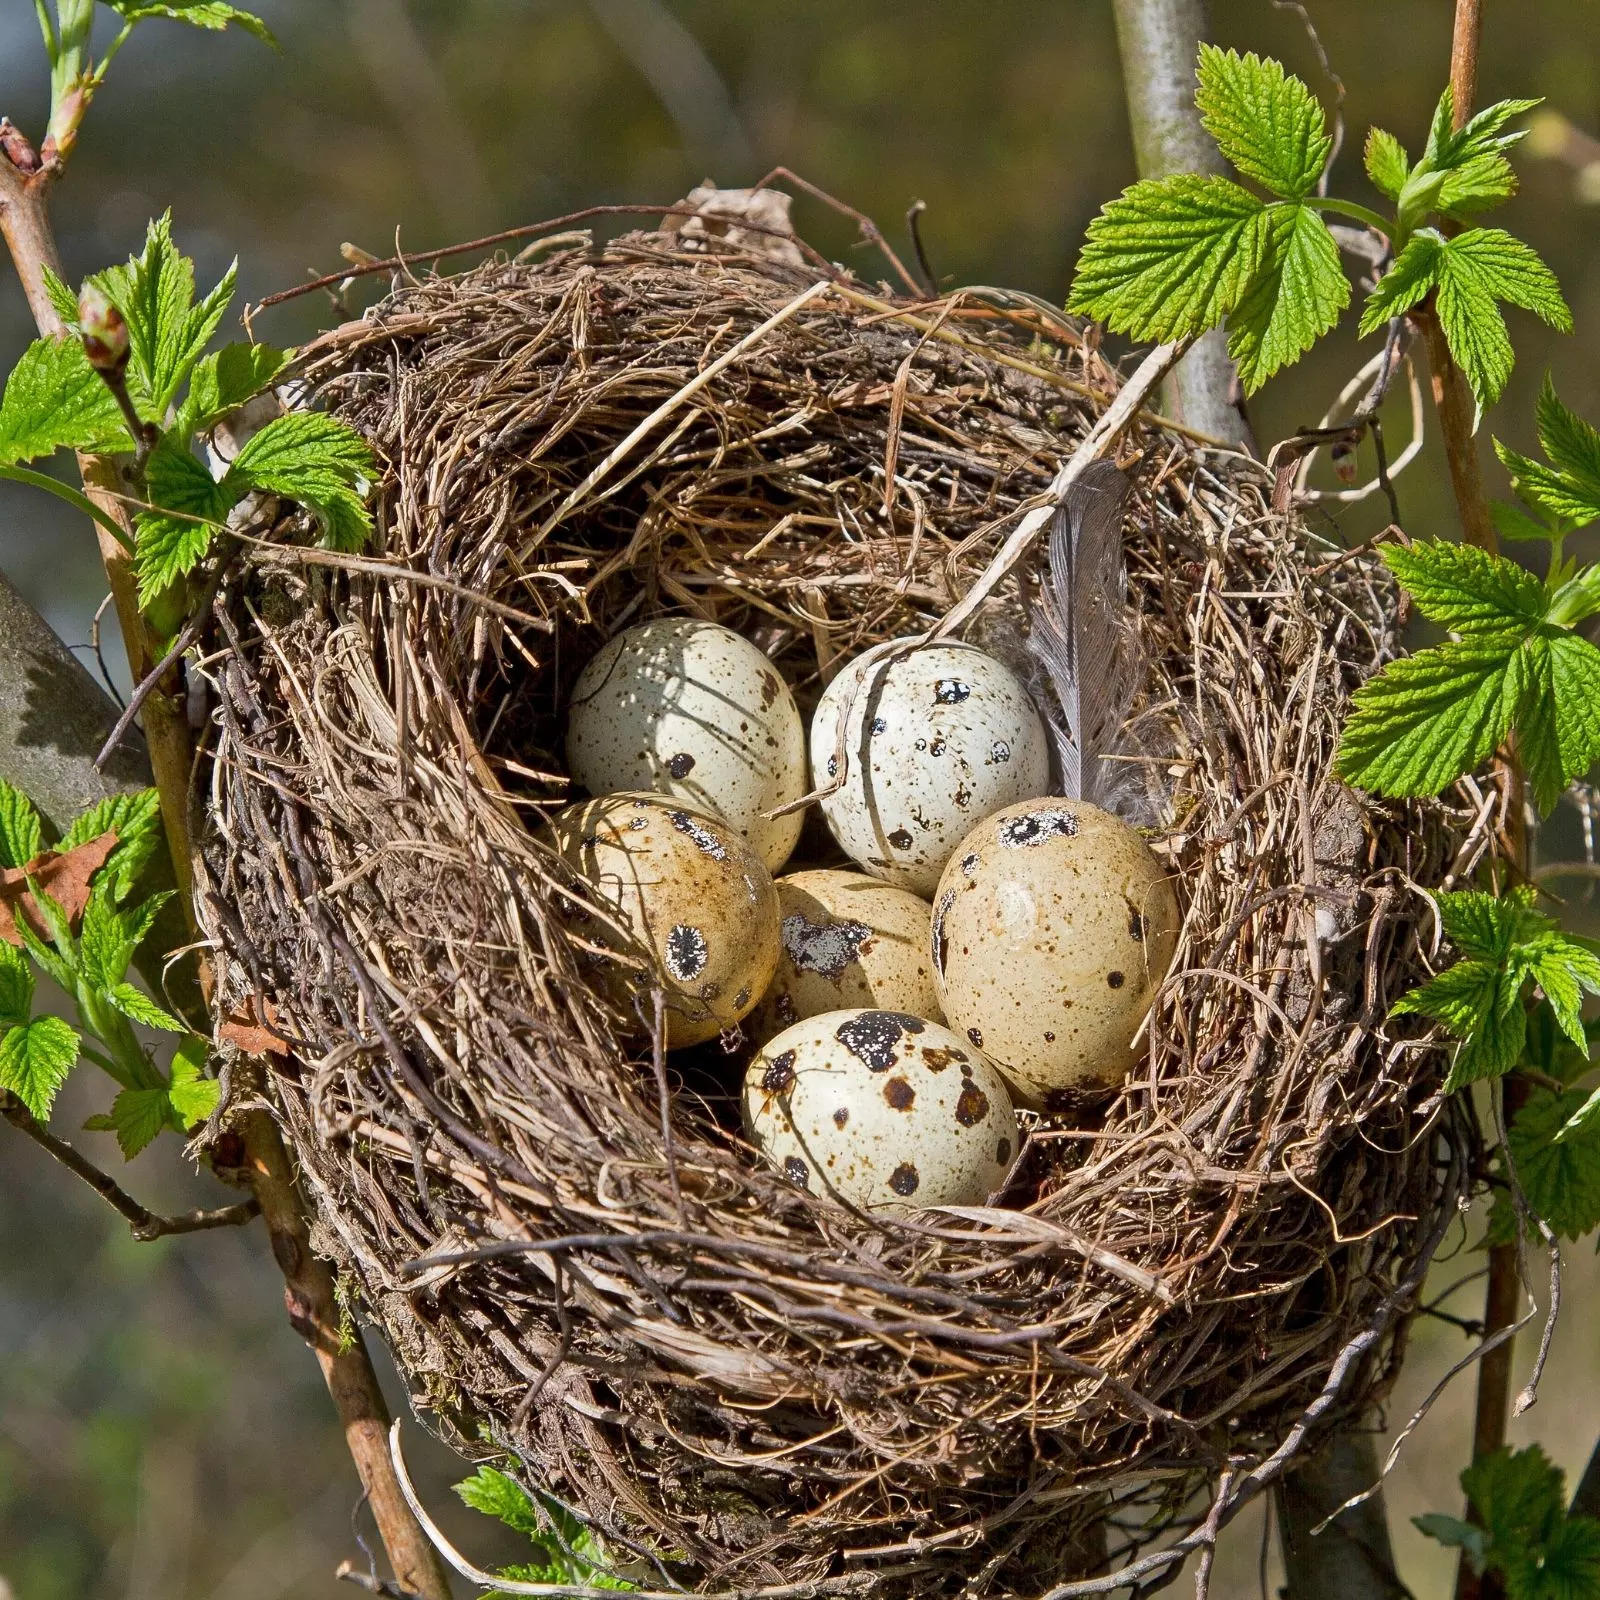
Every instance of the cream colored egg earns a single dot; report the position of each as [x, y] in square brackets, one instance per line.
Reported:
[936, 740]
[697, 911]
[1052, 929]
[881, 1110]
[690, 709]
[848, 941]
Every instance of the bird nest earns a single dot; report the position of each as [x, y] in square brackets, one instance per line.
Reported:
[746, 1388]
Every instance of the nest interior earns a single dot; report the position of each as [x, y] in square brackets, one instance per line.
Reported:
[572, 1254]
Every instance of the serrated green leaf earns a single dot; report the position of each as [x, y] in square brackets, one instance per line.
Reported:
[1575, 685]
[346, 521]
[1170, 258]
[54, 400]
[35, 1060]
[1468, 590]
[1566, 1566]
[1267, 123]
[1480, 1004]
[222, 382]
[1408, 280]
[1474, 270]
[1565, 969]
[1556, 492]
[1388, 165]
[1518, 1497]
[167, 546]
[1295, 297]
[1476, 186]
[62, 298]
[1484, 133]
[58, 968]
[214, 14]
[137, 1117]
[136, 820]
[1428, 718]
[167, 331]
[1560, 1176]
[1572, 447]
[1551, 1052]
[136, 1005]
[317, 460]
[21, 833]
[110, 937]
[194, 1096]
[496, 1495]
[16, 987]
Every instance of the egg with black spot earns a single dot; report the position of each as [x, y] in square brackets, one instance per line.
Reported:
[1053, 927]
[935, 740]
[880, 1110]
[687, 904]
[694, 710]
[848, 941]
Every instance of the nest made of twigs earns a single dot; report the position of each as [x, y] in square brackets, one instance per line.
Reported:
[743, 1387]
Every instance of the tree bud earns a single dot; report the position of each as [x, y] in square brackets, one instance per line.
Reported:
[104, 333]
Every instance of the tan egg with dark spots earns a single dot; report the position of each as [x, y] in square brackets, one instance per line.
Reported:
[848, 941]
[881, 1110]
[934, 740]
[1053, 926]
[687, 708]
[696, 908]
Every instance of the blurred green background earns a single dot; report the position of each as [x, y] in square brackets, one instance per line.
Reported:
[163, 1436]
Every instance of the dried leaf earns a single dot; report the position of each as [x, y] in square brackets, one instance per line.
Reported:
[253, 1035]
[63, 875]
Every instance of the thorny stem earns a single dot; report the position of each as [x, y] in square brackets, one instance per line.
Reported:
[144, 1223]
[308, 1281]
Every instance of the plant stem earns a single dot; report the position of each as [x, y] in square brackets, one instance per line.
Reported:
[308, 1282]
[1352, 208]
[1159, 41]
[1352, 1558]
[1457, 412]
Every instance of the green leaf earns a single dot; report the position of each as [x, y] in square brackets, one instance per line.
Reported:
[1551, 1052]
[110, 937]
[1456, 1533]
[1170, 258]
[194, 1096]
[1559, 1175]
[222, 382]
[1575, 686]
[167, 331]
[168, 546]
[1387, 163]
[59, 969]
[1409, 278]
[16, 987]
[317, 460]
[1555, 492]
[137, 1005]
[35, 1059]
[1571, 445]
[1484, 133]
[1468, 590]
[62, 297]
[21, 835]
[1565, 1567]
[1518, 1497]
[137, 1116]
[1515, 525]
[136, 820]
[494, 1494]
[54, 400]
[214, 14]
[1480, 1003]
[1476, 269]
[1479, 185]
[1295, 297]
[1267, 123]
[1428, 718]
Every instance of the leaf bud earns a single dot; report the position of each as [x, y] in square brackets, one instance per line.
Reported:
[104, 333]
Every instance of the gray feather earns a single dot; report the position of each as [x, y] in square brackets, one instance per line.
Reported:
[1080, 633]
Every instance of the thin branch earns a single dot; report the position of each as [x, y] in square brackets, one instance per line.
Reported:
[144, 1224]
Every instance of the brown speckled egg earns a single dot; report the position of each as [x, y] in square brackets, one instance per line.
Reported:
[848, 941]
[697, 909]
[1052, 928]
[936, 740]
[881, 1110]
[687, 708]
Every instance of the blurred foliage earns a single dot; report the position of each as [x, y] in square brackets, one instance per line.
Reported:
[162, 1434]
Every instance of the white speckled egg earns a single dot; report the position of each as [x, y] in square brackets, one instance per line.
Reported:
[687, 708]
[848, 941]
[881, 1110]
[937, 740]
[1052, 928]
[697, 910]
